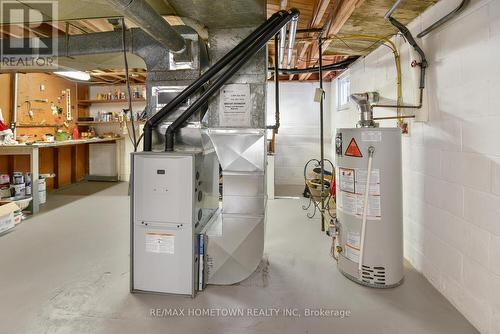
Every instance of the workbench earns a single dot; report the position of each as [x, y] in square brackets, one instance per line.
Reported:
[32, 150]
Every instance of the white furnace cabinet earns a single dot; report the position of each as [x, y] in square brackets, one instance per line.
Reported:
[172, 199]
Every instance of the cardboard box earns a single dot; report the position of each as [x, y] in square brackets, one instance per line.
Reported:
[7, 216]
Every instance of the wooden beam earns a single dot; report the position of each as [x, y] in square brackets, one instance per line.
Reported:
[339, 15]
[174, 20]
[320, 9]
[15, 30]
[101, 73]
[319, 12]
[99, 25]
[88, 25]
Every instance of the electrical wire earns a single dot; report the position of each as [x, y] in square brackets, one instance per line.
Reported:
[129, 91]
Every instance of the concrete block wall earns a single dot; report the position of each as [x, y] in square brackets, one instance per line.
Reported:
[451, 163]
[299, 134]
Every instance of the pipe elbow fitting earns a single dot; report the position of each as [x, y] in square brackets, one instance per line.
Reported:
[295, 12]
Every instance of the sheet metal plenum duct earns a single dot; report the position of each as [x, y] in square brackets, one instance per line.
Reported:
[236, 243]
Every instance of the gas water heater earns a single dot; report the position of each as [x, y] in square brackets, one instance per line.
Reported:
[370, 223]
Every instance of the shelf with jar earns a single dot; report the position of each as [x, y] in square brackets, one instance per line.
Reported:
[105, 118]
[118, 95]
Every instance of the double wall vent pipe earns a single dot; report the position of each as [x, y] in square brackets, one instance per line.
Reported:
[291, 39]
[282, 44]
[142, 14]
[292, 31]
[364, 102]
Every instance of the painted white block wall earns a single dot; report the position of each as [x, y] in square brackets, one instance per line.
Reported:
[451, 164]
[299, 135]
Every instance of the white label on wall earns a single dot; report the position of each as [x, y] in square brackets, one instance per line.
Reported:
[373, 136]
[346, 179]
[235, 105]
[160, 243]
[352, 246]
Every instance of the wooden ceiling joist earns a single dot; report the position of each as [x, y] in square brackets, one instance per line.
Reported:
[341, 11]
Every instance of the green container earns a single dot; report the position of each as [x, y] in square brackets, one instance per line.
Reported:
[62, 136]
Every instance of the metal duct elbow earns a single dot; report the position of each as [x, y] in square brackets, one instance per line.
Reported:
[364, 102]
[141, 13]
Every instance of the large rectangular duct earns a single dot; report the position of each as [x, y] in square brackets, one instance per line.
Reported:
[236, 237]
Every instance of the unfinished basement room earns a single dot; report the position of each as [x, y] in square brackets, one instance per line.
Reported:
[249, 166]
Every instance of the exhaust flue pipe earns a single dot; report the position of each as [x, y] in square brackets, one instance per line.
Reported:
[282, 44]
[291, 39]
[364, 102]
[142, 14]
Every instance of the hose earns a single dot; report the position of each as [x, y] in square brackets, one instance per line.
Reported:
[371, 150]
[341, 65]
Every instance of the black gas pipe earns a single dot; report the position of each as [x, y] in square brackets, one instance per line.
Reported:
[341, 65]
[241, 59]
[205, 77]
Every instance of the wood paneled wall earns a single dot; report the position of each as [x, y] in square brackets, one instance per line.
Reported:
[6, 106]
[54, 91]
[52, 160]
[6, 95]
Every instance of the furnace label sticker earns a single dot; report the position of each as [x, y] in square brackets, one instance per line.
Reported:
[160, 243]
[347, 179]
[352, 246]
[371, 136]
[235, 105]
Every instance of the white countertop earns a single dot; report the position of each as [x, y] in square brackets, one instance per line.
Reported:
[64, 143]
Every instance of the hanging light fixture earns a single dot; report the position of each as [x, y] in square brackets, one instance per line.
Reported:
[76, 75]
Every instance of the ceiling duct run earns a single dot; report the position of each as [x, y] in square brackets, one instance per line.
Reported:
[142, 14]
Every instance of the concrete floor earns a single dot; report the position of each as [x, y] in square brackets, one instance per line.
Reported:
[288, 190]
[67, 271]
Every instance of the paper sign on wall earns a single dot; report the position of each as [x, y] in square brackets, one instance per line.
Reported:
[235, 105]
